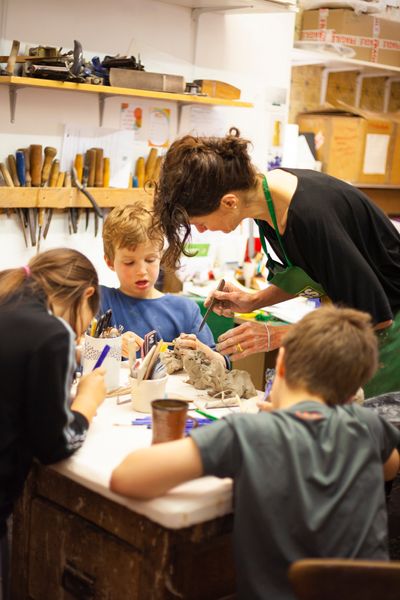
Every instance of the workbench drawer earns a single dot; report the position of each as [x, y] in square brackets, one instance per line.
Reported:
[70, 558]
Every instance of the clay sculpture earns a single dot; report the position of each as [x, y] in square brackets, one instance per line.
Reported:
[210, 375]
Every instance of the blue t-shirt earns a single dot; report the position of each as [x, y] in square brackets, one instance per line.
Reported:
[169, 315]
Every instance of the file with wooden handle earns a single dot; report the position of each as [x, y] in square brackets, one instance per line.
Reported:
[49, 154]
[36, 164]
[78, 164]
[150, 164]
[12, 167]
[8, 180]
[54, 172]
[28, 179]
[106, 172]
[98, 177]
[92, 166]
[60, 179]
[140, 171]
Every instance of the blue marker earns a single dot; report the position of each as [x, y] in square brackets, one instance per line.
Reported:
[102, 357]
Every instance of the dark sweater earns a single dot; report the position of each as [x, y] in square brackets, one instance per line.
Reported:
[37, 363]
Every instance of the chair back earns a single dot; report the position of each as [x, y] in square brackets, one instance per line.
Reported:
[345, 579]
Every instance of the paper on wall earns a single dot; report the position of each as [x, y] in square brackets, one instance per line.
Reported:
[117, 145]
[375, 155]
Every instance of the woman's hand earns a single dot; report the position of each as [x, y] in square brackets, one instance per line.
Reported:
[189, 341]
[249, 338]
[231, 300]
[128, 338]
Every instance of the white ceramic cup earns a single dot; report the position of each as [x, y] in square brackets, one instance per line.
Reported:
[112, 363]
[145, 391]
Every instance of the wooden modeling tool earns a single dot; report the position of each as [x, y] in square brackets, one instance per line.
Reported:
[212, 304]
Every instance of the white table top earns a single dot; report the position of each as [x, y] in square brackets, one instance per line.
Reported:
[107, 444]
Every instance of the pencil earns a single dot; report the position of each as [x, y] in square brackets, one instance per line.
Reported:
[204, 414]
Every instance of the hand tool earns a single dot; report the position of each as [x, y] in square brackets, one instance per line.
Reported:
[157, 168]
[97, 210]
[9, 182]
[92, 166]
[106, 172]
[85, 179]
[52, 180]
[23, 212]
[98, 177]
[9, 70]
[140, 171]
[150, 164]
[49, 155]
[27, 155]
[212, 304]
[78, 164]
[12, 167]
[60, 179]
[36, 180]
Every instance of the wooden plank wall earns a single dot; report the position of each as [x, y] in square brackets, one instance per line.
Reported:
[306, 87]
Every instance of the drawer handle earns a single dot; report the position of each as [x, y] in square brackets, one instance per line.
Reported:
[79, 584]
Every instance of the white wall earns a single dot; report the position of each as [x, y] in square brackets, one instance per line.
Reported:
[249, 51]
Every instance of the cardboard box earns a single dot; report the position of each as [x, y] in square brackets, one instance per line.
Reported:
[374, 40]
[352, 144]
[394, 169]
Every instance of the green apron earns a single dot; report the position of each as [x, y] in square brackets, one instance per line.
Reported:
[289, 278]
[387, 378]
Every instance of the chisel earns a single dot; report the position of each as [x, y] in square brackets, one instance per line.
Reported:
[51, 182]
[106, 172]
[9, 182]
[140, 171]
[49, 155]
[12, 167]
[98, 176]
[60, 179]
[28, 179]
[150, 165]
[35, 159]
[22, 212]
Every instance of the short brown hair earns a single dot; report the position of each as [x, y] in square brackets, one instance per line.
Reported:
[331, 352]
[195, 174]
[128, 226]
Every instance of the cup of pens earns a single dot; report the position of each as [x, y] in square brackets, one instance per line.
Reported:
[103, 347]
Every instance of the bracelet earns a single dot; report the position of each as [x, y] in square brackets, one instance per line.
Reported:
[269, 338]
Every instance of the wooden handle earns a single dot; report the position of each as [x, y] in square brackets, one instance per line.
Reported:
[28, 179]
[6, 175]
[54, 171]
[78, 164]
[140, 171]
[150, 164]
[60, 179]
[49, 154]
[157, 168]
[36, 164]
[106, 172]
[12, 167]
[98, 177]
[67, 179]
[92, 166]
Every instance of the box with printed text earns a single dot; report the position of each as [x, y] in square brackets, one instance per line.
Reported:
[372, 39]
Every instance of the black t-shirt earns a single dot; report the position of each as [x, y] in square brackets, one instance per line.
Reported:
[37, 363]
[344, 242]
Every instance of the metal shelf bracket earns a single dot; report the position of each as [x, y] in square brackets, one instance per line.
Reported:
[12, 94]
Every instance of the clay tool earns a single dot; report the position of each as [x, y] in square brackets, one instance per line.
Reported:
[212, 304]
[204, 414]
[102, 357]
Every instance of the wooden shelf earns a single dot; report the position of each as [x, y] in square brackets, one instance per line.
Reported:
[69, 197]
[302, 56]
[104, 91]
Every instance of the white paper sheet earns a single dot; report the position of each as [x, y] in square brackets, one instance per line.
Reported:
[117, 145]
[375, 155]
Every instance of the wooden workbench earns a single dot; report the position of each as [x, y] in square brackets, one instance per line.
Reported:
[74, 538]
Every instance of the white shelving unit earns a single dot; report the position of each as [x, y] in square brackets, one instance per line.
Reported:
[243, 5]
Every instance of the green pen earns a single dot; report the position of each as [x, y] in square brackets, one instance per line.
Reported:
[204, 414]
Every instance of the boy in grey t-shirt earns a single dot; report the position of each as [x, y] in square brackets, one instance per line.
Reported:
[308, 471]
